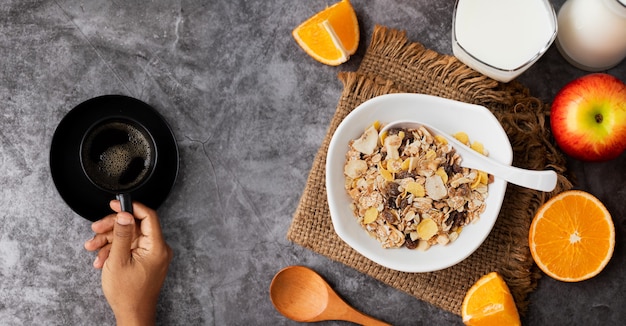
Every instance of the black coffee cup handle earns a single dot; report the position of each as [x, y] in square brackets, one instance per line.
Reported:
[125, 202]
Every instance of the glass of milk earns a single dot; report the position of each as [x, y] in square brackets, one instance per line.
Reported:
[502, 38]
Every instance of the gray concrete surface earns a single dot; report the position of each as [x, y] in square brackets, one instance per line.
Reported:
[249, 110]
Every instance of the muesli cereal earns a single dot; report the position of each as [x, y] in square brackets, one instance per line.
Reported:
[408, 189]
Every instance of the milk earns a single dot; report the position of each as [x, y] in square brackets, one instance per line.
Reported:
[502, 38]
[592, 33]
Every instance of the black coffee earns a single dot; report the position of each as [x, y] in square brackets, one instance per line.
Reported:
[117, 155]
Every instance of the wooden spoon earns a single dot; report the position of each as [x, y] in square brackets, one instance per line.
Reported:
[300, 294]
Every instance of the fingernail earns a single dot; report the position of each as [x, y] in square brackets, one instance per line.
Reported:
[96, 262]
[124, 219]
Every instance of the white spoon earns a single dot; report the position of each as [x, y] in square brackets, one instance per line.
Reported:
[538, 180]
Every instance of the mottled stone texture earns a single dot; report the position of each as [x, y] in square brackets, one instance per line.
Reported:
[249, 110]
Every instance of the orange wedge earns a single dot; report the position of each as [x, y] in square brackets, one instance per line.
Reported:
[572, 236]
[489, 302]
[331, 36]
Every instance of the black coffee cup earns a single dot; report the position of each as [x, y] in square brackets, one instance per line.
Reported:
[118, 155]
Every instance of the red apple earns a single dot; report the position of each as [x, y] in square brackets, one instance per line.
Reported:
[588, 117]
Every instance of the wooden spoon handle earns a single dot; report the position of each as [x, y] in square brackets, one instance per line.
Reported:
[337, 309]
[358, 317]
[364, 319]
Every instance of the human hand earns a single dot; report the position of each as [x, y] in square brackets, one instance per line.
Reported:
[134, 259]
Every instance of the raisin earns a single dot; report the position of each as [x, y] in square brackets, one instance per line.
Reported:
[410, 244]
[452, 169]
[393, 131]
[391, 202]
[456, 168]
[457, 219]
[463, 190]
[409, 136]
[404, 203]
[448, 169]
[390, 217]
[392, 189]
[390, 192]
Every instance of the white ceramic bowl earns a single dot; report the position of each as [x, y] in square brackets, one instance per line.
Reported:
[448, 116]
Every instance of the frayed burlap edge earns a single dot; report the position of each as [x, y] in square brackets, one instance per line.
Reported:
[392, 64]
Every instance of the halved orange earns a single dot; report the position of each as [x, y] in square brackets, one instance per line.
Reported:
[489, 302]
[572, 236]
[331, 36]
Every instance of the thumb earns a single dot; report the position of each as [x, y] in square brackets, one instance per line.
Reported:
[123, 231]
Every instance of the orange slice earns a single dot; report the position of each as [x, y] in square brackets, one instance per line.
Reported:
[489, 302]
[331, 36]
[572, 236]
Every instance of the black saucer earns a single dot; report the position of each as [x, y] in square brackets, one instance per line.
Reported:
[77, 191]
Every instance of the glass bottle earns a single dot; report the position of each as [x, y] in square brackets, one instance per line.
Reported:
[592, 33]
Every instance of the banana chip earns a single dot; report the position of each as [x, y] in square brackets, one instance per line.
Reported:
[367, 143]
[394, 165]
[355, 168]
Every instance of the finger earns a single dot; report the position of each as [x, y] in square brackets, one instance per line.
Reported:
[150, 226]
[123, 232]
[98, 241]
[141, 212]
[103, 225]
[115, 205]
[102, 256]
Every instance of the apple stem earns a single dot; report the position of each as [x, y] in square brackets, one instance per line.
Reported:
[599, 118]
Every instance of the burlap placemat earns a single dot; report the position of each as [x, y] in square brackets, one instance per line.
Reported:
[393, 64]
